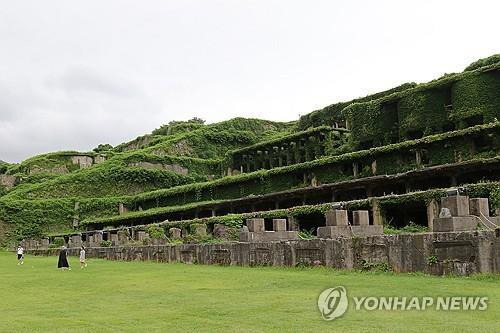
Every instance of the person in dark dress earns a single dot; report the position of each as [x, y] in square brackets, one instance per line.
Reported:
[63, 259]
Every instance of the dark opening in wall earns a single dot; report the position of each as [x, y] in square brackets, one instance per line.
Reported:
[311, 222]
[318, 197]
[346, 169]
[402, 214]
[357, 168]
[478, 176]
[268, 224]
[483, 143]
[290, 202]
[265, 206]
[352, 194]
[175, 216]
[443, 181]
[84, 237]
[415, 134]
[366, 144]
[242, 208]
[267, 163]
[222, 211]
[388, 189]
[424, 156]
[104, 236]
[448, 127]
[284, 159]
[205, 213]
[474, 120]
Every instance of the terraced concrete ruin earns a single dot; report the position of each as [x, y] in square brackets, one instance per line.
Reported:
[422, 159]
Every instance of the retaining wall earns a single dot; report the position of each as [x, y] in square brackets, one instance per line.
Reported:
[460, 253]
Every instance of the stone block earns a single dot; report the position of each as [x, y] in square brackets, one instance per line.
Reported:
[141, 235]
[122, 209]
[175, 233]
[349, 231]
[256, 225]
[200, 229]
[457, 204]
[336, 217]
[279, 224]
[268, 236]
[360, 217]
[368, 230]
[479, 207]
[334, 231]
[448, 224]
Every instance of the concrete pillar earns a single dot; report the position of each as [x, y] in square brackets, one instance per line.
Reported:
[418, 158]
[360, 217]
[279, 224]
[256, 225]
[457, 204]
[141, 235]
[214, 213]
[121, 208]
[355, 169]
[175, 233]
[336, 217]
[378, 218]
[200, 229]
[433, 209]
[293, 224]
[374, 167]
[479, 207]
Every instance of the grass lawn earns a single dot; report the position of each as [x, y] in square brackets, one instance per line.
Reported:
[153, 297]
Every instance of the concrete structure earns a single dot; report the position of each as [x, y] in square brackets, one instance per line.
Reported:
[83, 161]
[459, 253]
[337, 225]
[175, 233]
[256, 232]
[8, 181]
[199, 229]
[455, 214]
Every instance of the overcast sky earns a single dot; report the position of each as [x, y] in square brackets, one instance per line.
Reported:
[74, 74]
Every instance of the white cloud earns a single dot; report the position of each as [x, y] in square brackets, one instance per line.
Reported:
[73, 75]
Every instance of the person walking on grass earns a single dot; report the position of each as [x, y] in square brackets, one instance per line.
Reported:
[63, 259]
[83, 263]
[20, 255]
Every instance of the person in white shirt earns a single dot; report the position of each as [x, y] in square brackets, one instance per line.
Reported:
[83, 263]
[20, 255]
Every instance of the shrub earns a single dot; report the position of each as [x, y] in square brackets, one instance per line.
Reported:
[106, 243]
[155, 232]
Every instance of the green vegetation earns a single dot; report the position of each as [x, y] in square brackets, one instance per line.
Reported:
[483, 62]
[148, 296]
[182, 165]
[453, 101]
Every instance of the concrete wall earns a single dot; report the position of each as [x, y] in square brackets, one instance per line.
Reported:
[459, 253]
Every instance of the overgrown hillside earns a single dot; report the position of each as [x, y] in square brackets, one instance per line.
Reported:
[46, 192]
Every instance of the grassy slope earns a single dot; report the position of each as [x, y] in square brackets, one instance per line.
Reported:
[146, 296]
[114, 177]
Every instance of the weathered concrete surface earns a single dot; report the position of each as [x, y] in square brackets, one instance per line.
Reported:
[8, 181]
[83, 161]
[459, 253]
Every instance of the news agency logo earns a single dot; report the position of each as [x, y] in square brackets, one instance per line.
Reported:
[333, 303]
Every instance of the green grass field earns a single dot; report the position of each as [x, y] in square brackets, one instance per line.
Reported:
[154, 297]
